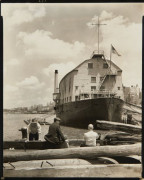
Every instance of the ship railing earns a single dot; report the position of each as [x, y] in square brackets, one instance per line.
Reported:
[111, 73]
[97, 92]
[96, 52]
[102, 92]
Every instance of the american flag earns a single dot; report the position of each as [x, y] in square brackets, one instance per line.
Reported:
[113, 50]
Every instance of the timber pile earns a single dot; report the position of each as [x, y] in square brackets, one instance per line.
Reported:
[122, 138]
[82, 153]
[132, 129]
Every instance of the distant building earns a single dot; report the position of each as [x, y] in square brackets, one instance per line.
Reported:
[132, 94]
[32, 109]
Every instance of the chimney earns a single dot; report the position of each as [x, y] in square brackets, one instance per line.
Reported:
[56, 89]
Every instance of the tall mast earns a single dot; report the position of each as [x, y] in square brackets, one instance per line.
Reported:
[98, 24]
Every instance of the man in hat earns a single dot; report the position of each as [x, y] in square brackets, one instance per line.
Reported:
[55, 137]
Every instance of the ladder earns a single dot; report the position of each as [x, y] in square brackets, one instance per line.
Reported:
[101, 82]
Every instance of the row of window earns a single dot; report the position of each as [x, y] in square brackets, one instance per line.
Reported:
[90, 65]
[93, 80]
[65, 100]
[94, 88]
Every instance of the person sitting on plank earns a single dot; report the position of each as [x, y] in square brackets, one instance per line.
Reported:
[55, 137]
[90, 137]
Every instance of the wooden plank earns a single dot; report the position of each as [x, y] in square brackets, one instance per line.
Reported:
[46, 163]
[57, 162]
[82, 153]
[36, 144]
[133, 129]
[39, 145]
[114, 170]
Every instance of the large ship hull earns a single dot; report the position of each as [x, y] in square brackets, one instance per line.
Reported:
[81, 113]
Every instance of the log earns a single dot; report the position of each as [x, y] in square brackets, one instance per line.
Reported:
[119, 126]
[82, 153]
[117, 137]
[57, 162]
[113, 142]
[46, 163]
[113, 170]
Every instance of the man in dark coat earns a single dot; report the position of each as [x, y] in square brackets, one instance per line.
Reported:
[55, 137]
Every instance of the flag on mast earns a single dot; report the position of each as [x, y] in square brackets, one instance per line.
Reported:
[113, 50]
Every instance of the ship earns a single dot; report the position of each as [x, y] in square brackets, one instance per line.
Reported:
[91, 91]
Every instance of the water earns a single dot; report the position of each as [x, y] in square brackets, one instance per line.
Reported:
[13, 122]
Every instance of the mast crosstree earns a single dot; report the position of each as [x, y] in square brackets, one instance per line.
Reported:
[98, 24]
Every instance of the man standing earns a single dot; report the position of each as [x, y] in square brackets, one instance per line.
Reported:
[90, 137]
[55, 137]
[34, 129]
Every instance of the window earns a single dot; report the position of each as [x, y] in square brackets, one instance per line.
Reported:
[86, 95]
[93, 88]
[105, 65]
[76, 98]
[90, 65]
[67, 99]
[118, 88]
[76, 87]
[102, 88]
[93, 79]
[69, 84]
[70, 99]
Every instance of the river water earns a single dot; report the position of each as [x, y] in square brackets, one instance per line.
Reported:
[13, 122]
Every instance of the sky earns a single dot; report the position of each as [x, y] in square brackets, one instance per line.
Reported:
[39, 38]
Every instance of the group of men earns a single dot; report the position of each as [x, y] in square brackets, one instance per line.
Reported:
[55, 137]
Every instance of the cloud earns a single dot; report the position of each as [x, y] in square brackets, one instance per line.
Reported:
[31, 83]
[26, 93]
[41, 45]
[10, 88]
[13, 62]
[23, 14]
[63, 69]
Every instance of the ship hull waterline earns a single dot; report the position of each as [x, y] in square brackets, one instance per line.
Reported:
[81, 113]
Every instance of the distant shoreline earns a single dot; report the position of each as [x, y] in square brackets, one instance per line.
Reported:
[50, 112]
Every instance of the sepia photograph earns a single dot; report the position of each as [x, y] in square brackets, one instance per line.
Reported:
[72, 89]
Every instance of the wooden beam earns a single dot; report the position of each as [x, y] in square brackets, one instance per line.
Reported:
[133, 129]
[113, 170]
[58, 162]
[82, 153]
[21, 144]
[135, 138]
